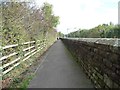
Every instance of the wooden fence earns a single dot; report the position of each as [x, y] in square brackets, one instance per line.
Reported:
[13, 59]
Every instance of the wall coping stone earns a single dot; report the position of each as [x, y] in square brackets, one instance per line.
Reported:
[107, 41]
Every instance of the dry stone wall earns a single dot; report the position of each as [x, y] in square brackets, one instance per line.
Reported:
[99, 58]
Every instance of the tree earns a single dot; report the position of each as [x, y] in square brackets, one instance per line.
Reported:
[100, 31]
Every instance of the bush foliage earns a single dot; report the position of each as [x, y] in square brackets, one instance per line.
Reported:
[24, 21]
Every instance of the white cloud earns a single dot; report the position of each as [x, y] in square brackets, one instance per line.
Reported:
[83, 13]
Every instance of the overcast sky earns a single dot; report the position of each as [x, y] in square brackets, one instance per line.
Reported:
[84, 14]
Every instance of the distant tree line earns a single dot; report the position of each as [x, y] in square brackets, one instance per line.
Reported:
[101, 31]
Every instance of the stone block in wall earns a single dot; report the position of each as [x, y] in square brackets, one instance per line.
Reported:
[108, 81]
[115, 85]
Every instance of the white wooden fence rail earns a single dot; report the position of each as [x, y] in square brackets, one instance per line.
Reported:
[33, 48]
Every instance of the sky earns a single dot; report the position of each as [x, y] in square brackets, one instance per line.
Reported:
[83, 14]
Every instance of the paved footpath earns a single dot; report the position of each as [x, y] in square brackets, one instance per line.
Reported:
[59, 70]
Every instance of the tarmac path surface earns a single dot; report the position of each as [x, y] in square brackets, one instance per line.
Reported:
[58, 69]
